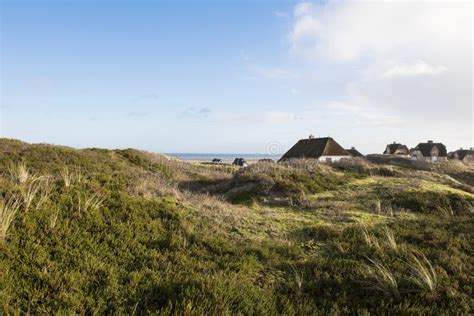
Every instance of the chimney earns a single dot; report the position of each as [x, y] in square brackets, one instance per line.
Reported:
[311, 136]
[353, 148]
[394, 142]
[430, 142]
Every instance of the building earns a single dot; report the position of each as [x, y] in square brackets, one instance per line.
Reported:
[323, 149]
[355, 153]
[396, 149]
[464, 155]
[429, 151]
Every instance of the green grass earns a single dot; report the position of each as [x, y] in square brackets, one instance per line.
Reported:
[127, 232]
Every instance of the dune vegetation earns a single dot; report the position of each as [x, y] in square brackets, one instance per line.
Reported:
[97, 231]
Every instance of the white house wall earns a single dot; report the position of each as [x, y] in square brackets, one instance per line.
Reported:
[333, 158]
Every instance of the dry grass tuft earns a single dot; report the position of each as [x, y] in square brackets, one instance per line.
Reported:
[8, 212]
[388, 209]
[298, 277]
[378, 206]
[53, 219]
[19, 173]
[392, 242]
[88, 203]
[44, 193]
[37, 187]
[370, 239]
[69, 177]
[152, 186]
[28, 193]
[383, 279]
[422, 272]
[446, 210]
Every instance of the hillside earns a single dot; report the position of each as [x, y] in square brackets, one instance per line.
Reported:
[124, 231]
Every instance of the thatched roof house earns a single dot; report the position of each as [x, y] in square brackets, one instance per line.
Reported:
[396, 149]
[464, 155]
[429, 151]
[324, 149]
[355, 153]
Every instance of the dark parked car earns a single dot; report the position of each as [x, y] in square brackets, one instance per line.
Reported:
[217, 160]
[240, 162]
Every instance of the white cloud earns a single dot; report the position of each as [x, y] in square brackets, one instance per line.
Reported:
[303, 8]
[417, 68]
[408, 64]
[346, 30]
[362, 116]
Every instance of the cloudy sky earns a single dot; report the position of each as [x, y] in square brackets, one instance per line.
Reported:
[240, 76]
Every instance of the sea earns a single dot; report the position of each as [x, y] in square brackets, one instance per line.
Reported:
[223, 157]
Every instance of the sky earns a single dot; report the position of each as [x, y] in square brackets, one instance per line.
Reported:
[236, 76]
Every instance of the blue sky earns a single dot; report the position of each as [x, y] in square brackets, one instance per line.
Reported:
[239, 76]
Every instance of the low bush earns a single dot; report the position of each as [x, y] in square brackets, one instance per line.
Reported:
[432, 201]
[111, 244]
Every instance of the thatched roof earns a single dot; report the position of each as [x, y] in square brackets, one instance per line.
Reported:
[393, 148]
[462, 153]
[315, 148]
[426, 148]
[355, 153]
